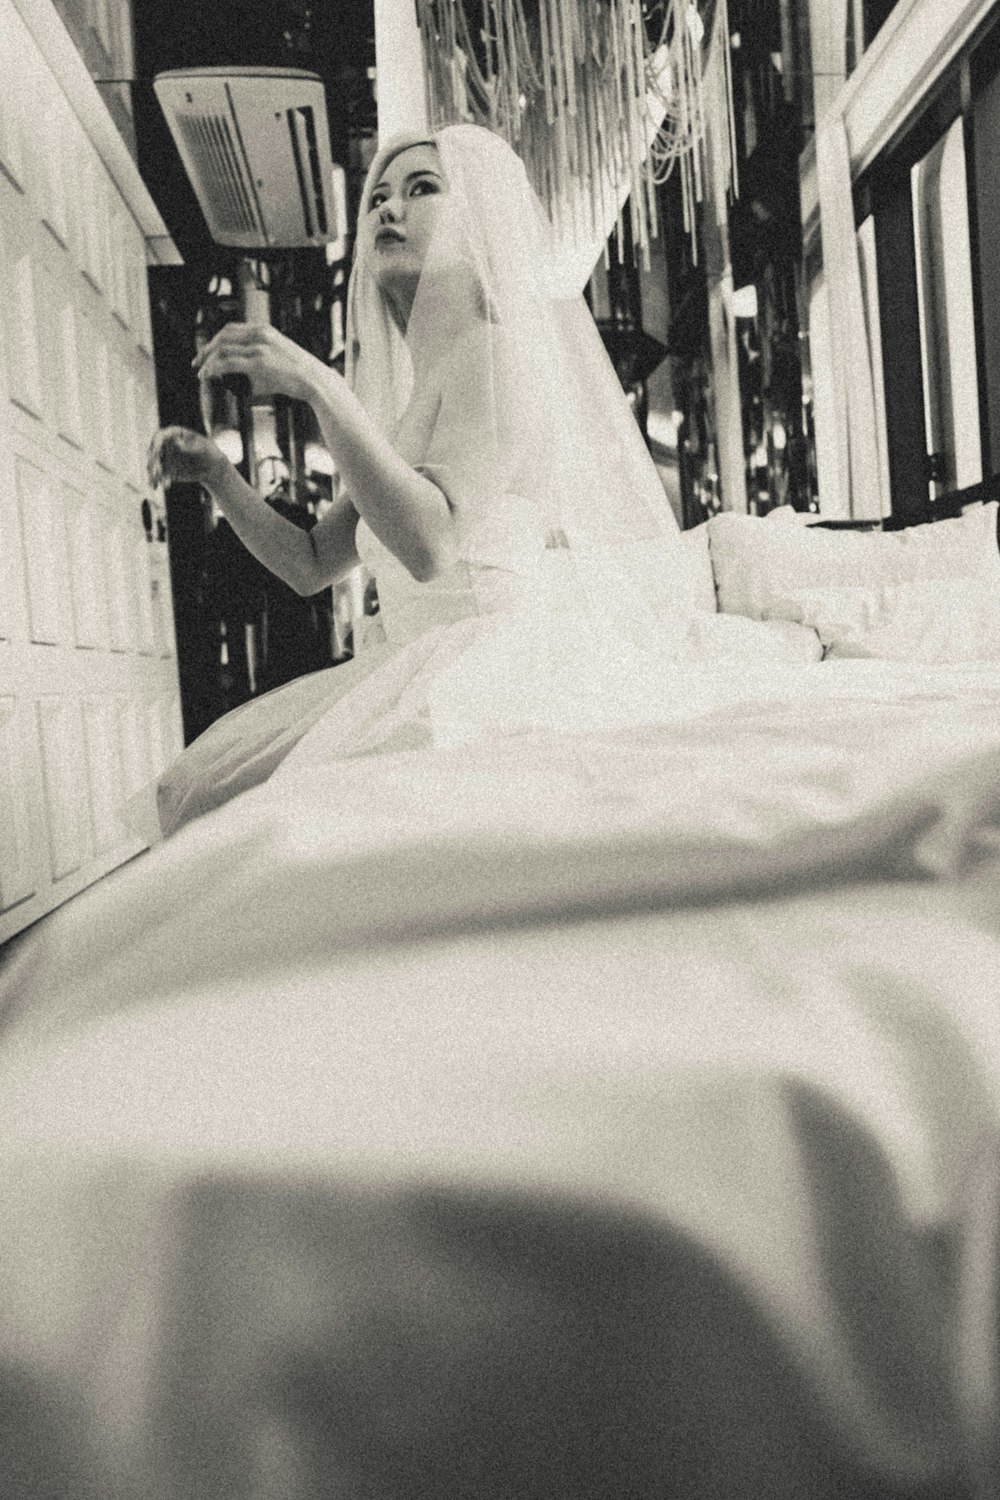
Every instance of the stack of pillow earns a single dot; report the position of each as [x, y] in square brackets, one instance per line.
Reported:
[712, 634]
[926, 594]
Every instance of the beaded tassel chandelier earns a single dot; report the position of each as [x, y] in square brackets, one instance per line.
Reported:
[600, 98]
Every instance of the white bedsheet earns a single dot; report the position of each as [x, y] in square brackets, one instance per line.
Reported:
[718, 1000]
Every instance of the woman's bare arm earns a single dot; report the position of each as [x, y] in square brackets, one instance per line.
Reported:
[408, 513]
[307, 561]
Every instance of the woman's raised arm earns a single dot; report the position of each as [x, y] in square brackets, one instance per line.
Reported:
[406, 511]
[298, 557]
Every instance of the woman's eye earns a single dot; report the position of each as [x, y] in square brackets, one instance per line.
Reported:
[377, 199]
[426, 185]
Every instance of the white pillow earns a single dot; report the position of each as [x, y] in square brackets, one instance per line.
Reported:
[918, 619]
[700, 560]
[762, 566]
[664, 575]
[722, 637]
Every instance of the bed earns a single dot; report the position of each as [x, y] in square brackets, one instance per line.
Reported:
[614, 1114]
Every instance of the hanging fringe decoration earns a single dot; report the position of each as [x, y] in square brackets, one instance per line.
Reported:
[597, 97]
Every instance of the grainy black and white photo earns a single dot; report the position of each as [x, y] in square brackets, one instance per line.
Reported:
[500, 750]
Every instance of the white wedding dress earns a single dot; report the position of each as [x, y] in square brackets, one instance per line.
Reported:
[479, 651]
[570, 570]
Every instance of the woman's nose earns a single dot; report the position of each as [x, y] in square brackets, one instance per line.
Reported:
[388, 211]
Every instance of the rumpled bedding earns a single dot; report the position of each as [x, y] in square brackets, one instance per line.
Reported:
[476, 679]
[603, 1114]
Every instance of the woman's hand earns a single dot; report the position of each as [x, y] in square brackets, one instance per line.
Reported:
[177, 455]
[275, 365]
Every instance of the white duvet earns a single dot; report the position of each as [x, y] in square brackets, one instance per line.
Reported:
[452, 1032]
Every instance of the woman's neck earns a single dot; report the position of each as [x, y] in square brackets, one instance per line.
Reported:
[435, 316]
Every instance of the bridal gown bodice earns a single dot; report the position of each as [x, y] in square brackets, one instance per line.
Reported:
[490, 647]
[496, 573]
[496, 518]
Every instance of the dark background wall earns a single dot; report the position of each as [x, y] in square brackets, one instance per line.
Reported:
[239, 630]
[335, 38]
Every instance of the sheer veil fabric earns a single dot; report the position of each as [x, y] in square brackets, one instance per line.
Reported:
[544, 427]
[535, 447]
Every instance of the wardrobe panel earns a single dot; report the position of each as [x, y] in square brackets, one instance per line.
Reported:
[67, 802]
[88, 583]
[45, 553]
[86, 633]
[18, 862]
[104, 770]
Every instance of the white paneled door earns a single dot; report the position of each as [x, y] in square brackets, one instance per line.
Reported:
[89, 705]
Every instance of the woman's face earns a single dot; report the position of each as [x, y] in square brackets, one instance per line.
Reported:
[402, 212]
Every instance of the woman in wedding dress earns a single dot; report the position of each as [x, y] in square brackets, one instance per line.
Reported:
[491, 476]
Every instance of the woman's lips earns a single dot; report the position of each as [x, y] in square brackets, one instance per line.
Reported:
[393, 235]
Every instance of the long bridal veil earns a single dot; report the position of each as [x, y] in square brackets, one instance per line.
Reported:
[543, 430]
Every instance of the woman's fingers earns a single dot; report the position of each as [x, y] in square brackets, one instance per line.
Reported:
[272, 362]
[228, 362]
[234, 336]
[229, 333]
[176, 453]
[155, 454]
